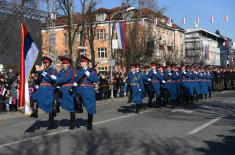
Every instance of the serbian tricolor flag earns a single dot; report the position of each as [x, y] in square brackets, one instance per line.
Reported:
[226, 18]
[212, 19]
[184, 21]
[28, 55]
[196, 22]
[121, 33]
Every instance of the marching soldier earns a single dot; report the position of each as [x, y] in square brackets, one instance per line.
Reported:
[136, 83]
[196, 83]
[177, 78]
[218, 79]
[65, 79]
[169, 86]
[187, 83]
[140, 75]
[148, 86]
[44, 94]
[85, 80]
[210, 78]
[156, 78]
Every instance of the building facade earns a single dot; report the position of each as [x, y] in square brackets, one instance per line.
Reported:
[165, 38]
[203, 47]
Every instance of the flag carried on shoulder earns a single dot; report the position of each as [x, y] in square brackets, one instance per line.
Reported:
[28, 55]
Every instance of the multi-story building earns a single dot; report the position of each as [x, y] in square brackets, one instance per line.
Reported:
[164, 37]
[203, 47]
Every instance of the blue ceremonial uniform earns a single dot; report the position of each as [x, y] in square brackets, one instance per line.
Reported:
[170, 84]
[86, 88]
[176, 76]
[44, 94]
[196, 83]
[136, 82]
[187, 83]
[210, 78]
[143, 77]
[203, 83]
[156, 79]
[65, 79]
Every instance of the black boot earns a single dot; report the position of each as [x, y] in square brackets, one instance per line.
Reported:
[150, 103]
[137, 110]
[205, 96]
[72, 121]
[209, 94]
[51, 121]
[89, 121]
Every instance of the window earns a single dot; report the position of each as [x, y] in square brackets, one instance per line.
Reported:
[103, 69]
[101, 35]
[83, 52]
[101, 17]
[102, 53]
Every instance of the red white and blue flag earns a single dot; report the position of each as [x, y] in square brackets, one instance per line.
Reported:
[212, 19]
[121, 34]
[28, 55]
[226, 18]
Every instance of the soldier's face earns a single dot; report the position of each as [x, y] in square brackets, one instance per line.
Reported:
[154, 67]
[132, 69]
[168, 68]
[84, 64]
[46, 65]
[65, 66]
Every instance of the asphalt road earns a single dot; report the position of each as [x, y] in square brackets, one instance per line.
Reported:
[206, 127]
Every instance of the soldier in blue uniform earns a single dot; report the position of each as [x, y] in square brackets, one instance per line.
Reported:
[65, 79]
[140, 75]
[169, 86]
[44, 94]
[187, 83]
[136, 83]
[85, 79]
[176, 76]
[156, 78]
[196, 85]
[203, 82]
[148, 86]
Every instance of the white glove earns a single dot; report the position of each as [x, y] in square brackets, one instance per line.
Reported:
[163, 81]
[155, 72]
[169, 74]
[53, 77]
[184, 72]
[149, 79]
[36, 86]
[87, 73]
[44, 73]
[75, 84]
[139, 89]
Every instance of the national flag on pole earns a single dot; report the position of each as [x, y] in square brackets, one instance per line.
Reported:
[169, 22]
[196, 22]
[28, 55]
[212, 19]
[226, 18]
[184, 21]
[121, 34]
[141, 22]
[155, 21]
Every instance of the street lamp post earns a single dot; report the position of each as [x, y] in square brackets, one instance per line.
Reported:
[110, 45]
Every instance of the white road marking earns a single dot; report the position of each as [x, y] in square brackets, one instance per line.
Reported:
[183, 111]
[203, 126]
[67, 130]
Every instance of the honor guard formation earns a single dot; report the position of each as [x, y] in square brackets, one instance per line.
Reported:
[172, 85]
[74, 89]
[67, 88]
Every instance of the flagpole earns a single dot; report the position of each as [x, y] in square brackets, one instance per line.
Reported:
[22, 66]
